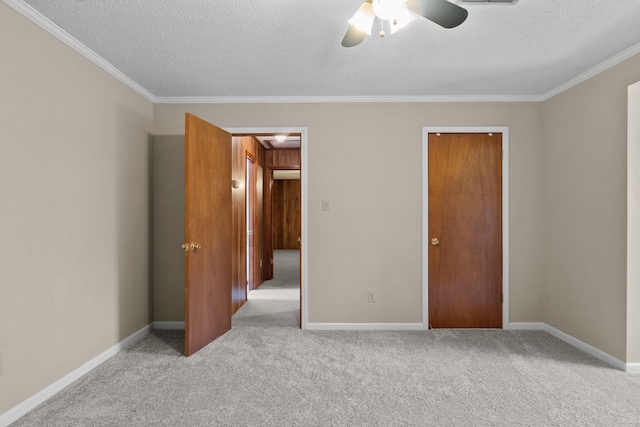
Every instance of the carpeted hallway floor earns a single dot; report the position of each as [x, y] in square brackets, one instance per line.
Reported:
[276, 303]
[267, 372]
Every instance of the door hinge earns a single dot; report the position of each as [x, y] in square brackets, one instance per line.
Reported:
[271, 261]
[501, 297]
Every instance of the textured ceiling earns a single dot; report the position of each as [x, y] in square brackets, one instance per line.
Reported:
[284, 48]
[269, 141]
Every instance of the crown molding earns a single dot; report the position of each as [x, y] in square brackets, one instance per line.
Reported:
[44, 22]
[341, 99]
[72, 42]
[592, 72]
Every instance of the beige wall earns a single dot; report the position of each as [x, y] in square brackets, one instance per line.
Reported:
[168, 227]
[585, 216]
[633, 224]
[366, 159]
[75, 189]
[74, 257]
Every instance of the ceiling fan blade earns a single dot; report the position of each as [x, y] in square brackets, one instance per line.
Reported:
[353, 37]
[442, 12]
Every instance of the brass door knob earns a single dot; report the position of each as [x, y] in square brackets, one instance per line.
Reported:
[191, 246]
[435, 242]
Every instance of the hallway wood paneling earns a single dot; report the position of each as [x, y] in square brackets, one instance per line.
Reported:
[260, 260]
[286, 214]
[241, 146]
[287, 159]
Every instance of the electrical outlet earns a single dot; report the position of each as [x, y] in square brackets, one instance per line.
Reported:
[371, 295]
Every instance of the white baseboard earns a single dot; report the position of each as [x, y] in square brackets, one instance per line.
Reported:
[515, 326]
[366, 327]
[526, 326]
[589, 349]
[27, 405]
[633, 368]
[581, 345]
[168, 325]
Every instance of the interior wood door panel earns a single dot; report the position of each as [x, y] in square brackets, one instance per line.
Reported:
[208, 223]
[465, 216]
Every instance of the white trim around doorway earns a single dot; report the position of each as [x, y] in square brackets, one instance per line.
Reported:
[504, 130]
[303, 176]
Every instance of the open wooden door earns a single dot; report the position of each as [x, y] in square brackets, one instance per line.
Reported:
[207, 233]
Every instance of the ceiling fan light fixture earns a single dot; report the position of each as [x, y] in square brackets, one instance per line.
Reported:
[388, 9]
[364, 17]
[402, 20]
[399, 13]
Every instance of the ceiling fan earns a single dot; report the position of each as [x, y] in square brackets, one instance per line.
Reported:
[399, 13]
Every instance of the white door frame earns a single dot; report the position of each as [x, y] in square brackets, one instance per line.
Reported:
[303, 176]
[504, 130]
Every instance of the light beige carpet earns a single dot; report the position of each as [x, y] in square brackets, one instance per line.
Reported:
[267, 372]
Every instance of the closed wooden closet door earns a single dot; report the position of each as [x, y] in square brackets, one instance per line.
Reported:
[465, 230]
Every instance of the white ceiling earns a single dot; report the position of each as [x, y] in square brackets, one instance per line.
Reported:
[291, 48]
[270, 142]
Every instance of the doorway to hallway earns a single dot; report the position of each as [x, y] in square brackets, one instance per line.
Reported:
[276, 302]
[275, 150]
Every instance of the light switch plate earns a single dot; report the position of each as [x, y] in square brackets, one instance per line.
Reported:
[371, 296]
[325, 205]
